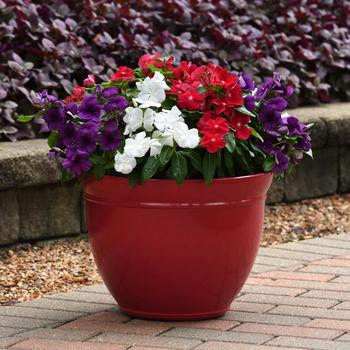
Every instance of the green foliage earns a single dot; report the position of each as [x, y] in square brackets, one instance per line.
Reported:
[179, 167]
[150, 168]
[210, 162]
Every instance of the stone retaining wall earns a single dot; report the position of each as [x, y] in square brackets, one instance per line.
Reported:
[34, 204]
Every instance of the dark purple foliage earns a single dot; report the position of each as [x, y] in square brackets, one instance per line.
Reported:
[53, 45]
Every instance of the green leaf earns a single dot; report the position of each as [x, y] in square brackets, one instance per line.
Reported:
[109, 164]
[228, 159]
[53, 139]
[209, 167]
[138, 73]
[99, 172]
[25, 118]
[256, 149]
[202, 89]
[194, 158]
[134, 178]
[230, 142]
[66, 176]
[243, 160]
[220, 167]
[244, 110]
[179, 167]
[252, 154]
[269, 163]
[256, 134]
[150, 168]
[166, 154]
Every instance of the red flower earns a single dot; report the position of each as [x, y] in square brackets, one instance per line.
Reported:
[89, 81]
[122, 74]
[239, 122]
[147, 59]
[184, 70]
[233, 98]
[78, 95]
[191, 99]
[213, 142]
[78, 91]
[203, 121]
[216, 126]
[221, 77]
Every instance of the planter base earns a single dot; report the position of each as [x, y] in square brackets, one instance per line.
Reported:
[174, 317]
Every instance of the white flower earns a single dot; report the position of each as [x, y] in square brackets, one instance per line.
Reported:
[124, 163]
[152, 91]
[167, 119]
[184, 137]
[156, 147]
[137, 146]
[133, 119]
[148, 119]
[165, 138]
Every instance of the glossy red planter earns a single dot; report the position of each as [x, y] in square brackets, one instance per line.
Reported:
[175, 252]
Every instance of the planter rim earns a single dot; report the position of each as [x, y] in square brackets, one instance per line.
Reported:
[215, 180]
[116, 191]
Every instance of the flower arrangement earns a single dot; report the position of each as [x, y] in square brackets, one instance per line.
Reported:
[173, 121]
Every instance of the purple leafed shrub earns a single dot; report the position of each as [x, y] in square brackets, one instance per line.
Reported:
[46, 45]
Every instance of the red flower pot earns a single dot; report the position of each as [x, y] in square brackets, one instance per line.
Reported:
[175, 252]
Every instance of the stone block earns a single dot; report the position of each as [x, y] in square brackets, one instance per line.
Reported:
[9, 218]
[314, 177]
[335, 128]
[276, 192]
[25, 163]
[49, 211]
[344, 169]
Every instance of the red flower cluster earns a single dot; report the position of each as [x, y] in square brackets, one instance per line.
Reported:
[123, 74]
[208, 89]
[215, 92]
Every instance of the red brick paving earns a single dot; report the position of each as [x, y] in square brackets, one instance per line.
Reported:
[286, 304]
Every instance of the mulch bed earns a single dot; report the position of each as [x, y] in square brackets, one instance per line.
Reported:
[29, 271]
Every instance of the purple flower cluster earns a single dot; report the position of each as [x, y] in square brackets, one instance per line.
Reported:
[286, 138]
[84, 126]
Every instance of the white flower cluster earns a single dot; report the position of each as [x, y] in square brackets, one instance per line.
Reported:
[165, 127]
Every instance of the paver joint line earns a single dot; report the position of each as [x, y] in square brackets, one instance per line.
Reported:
[288, 303]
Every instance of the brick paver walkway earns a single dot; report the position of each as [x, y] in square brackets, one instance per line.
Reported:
[298, 297]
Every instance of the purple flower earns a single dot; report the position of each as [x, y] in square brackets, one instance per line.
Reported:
[246, 82]
[110, 92]
[77, 161]
[282, 162]
[68, 134]
[118, 103]
[278, 103]
[293, 125]
[87, 137]
[55, 153]
[305, 142]
[54, 118]
[71, 107]
[90, 109]
[111, 136]
[43, 98]
[285, 91]
[270, 117]
[263, 89]
[249, 103]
